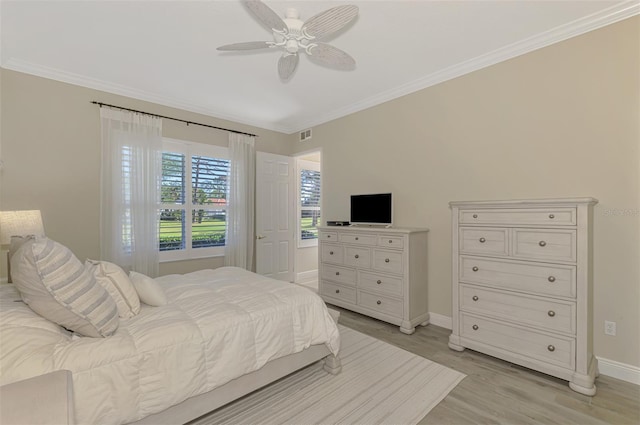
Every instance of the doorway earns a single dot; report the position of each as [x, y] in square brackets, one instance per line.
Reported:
[308, 171]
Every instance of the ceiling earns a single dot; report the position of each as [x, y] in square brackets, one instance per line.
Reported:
[165, 51]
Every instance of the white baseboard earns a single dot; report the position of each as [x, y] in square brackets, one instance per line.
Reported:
[619, 370]
[308, 276]
[607, 367]
[440, 320]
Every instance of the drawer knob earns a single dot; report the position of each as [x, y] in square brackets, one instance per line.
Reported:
[474, 327]
[328, 236]
[390, 241]
[378, 302]
[337, 273]
[475, 268]
[551, 313]
[357, 256]
[475, 298]
[551, 216]
[337, 291]
[379, 282]
[386, 260]
[542, 243]
[551, 348]
[357, 238]
[475, 216]
[330, 252]
[551, 279]
[482, 240]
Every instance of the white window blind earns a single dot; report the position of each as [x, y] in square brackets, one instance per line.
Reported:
[193, 215]
[309, 202]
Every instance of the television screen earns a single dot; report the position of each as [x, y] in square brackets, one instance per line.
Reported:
[371, 209]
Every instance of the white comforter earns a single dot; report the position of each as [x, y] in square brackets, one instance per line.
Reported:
[218, 325]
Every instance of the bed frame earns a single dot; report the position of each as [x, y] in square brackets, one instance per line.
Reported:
[202, 404]
[194, 407]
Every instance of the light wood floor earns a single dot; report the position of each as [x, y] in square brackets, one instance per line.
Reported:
[498, 392]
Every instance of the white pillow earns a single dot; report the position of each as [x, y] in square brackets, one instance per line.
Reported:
[112, 278]
[55, 284]
[149, 291]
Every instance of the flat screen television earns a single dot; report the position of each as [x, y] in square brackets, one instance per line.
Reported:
[371, 209]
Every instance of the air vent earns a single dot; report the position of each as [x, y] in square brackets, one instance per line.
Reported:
[305, 135]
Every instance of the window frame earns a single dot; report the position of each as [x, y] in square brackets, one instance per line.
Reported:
[303, 164]
[190, 149]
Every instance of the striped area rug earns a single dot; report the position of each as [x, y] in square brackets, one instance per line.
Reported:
[379, 384]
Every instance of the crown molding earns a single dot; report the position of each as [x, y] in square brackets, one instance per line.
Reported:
[575, 28]
[580, 26]
[18, 65]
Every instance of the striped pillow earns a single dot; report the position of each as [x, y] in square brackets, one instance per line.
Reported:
[56, 285]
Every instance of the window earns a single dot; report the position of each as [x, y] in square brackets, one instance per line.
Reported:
[308, 202]
[193, 200]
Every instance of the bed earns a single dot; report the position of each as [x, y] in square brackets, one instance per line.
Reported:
[222, 334]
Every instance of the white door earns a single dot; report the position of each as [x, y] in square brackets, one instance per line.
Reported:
[275, 222]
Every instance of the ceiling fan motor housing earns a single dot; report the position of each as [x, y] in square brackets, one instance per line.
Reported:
[293, 39]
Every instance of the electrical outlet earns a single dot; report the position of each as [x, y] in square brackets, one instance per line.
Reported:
[609, 328]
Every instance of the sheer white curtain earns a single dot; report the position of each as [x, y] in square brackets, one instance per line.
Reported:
[240, 201]
[130, 189]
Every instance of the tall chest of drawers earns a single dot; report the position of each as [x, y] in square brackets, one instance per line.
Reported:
[522, 284]
[375, 271]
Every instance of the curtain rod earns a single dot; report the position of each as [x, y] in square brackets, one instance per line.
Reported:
[100, 104]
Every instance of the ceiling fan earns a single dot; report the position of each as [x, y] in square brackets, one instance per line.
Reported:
[294, 36]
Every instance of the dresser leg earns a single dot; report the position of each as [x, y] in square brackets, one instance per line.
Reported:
[407, 331]
[454, 343]
[585, 383]
[583, 390]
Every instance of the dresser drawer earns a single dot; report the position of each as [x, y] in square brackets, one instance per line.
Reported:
[533, 311]
[338, 274]
[330, 253]
[519, 217]
[387, 261]
[328, 236]
[558, 245]
[396, 242]
[381, 303]
[484, 241]
[551, 349]
[537, 278]
[381, 283]
[358, 257]
[339, 292]
[358, 239]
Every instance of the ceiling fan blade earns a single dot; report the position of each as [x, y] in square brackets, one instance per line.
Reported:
[325, 54]
[266, 15]
[330, 21]
[287, 65]
[249, 45]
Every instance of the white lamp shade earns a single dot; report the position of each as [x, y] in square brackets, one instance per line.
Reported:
[20, 223]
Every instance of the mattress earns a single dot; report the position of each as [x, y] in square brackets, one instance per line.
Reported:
[218, 325]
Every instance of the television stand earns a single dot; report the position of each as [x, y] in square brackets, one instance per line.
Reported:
[373, 226]
[377, 271]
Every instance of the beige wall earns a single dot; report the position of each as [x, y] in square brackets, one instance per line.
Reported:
[50, 136]
[558, 122]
